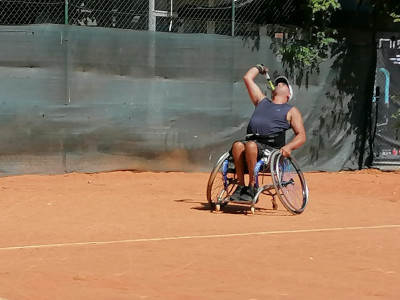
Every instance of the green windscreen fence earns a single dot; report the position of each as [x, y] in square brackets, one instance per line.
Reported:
[84, 99]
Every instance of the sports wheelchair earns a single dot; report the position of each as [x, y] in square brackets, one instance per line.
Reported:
[275, 175]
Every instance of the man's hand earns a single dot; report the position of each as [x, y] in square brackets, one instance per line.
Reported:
[261, 69]
[285, 151]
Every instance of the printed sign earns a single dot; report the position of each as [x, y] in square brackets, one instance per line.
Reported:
[386, 101]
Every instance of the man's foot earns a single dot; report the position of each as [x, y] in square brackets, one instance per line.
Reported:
[249, 194]
[240, 189]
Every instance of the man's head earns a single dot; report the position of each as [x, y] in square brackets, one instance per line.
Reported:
[286, 88]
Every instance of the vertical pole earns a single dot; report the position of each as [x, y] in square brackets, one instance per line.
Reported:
[367, 128]
[67, 98]
[152, 16]
[66, 12]
[170, 21]
[233, 18]
[211, 24]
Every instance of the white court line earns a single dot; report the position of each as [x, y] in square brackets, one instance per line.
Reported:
[192, 237]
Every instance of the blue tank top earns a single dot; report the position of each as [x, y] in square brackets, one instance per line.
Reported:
[269, 118]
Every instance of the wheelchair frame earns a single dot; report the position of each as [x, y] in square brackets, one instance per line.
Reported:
[288, 182]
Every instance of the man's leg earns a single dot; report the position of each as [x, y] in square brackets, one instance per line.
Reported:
[238, 154]
[238, 149]
[251, 151]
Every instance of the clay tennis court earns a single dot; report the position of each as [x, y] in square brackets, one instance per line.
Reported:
[128, 235]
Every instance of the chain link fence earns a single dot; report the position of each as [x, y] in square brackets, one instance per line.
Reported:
[224, 17]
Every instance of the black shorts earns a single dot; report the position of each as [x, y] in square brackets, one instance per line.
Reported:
[260, 147]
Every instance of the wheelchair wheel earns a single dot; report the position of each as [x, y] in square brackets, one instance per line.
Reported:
[289, 183]
[221, 183]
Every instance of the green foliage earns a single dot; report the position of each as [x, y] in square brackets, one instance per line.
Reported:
[396, 17]
[325, 7]
[307, 54]
[304, 49]
[391, 8]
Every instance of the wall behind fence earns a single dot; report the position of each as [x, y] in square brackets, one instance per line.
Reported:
[386, 105]
[81, 99]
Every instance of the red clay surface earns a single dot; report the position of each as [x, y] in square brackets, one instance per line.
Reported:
[128, 235]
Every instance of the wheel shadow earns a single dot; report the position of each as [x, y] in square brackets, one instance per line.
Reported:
[235, 208]
[242, 209]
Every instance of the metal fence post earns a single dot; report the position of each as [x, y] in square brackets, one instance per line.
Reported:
[152, 16]
[233, 17]
[66, 12]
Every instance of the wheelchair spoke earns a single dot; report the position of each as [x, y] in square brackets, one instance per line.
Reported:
[290, 184]
[220, 183]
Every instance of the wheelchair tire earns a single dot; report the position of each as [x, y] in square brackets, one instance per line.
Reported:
[289, 183]
[220, 183]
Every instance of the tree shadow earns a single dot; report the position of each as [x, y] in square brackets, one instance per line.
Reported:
[343, 114]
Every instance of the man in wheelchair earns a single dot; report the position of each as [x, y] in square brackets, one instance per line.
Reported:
[266, 129]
